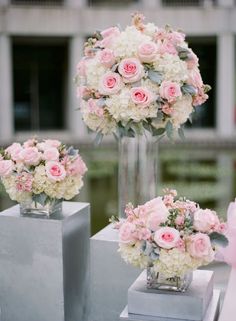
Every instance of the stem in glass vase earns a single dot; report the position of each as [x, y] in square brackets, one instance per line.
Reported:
[137, 175]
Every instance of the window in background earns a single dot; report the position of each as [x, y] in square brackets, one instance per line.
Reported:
[39, 73]
[205, 49]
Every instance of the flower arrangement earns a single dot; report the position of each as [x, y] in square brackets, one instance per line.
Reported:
[141, 78]
[41, 171]
[172, 234]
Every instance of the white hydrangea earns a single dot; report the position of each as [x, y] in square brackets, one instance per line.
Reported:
[40, 180]
[66, 189]
[95, 70]
[127, 43]
[104, 124]
[181, 110]
[150, 29]
[123, 109]
[10, 186]
[175, 263]
[172, 67]
[132, 254]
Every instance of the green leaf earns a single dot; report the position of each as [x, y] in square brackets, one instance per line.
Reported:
[169, 130]
[188, 89]
[155, 76]
[40, 198]
[218, 239]
[181, 133]
[158, 131]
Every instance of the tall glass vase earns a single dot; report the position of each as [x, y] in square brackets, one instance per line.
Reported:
[137, 176]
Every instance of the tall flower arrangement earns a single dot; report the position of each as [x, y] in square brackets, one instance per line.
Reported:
[173, 234]
[41, 171]
[140, 78]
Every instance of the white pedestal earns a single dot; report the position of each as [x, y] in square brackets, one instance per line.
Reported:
[110, 277]
[44, 265]
[190, 305]
[212, 312]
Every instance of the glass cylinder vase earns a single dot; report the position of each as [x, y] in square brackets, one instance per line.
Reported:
[158, 281]
[36, 209]
[137, 176]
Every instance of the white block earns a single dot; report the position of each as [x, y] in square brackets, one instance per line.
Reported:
[212, 312]
[190, 305]
[110, 277]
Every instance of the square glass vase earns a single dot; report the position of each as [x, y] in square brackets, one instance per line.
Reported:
[158, 281]
[35, 209]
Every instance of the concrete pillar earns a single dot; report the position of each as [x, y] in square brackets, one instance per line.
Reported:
[225, 84]
[74, 119]
[225, 3]
[6, 100]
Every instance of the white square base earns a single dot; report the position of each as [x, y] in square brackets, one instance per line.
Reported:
[190, 305]
[212, 312]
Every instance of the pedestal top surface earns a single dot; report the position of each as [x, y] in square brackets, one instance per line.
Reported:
[68, 209]
[107, 233]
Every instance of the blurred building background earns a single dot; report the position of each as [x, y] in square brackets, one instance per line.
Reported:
[41, 42]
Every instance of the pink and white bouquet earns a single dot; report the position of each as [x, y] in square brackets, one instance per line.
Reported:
[41, 171]
[141, 78]
[172, 234]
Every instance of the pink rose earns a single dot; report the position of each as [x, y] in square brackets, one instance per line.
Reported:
[170, 90]
[14, 151]
[205, 221]
[176, 37]
[106, 57]
[167, 237]
[195, 79]
[78, 166]
[24, 182]
[200, 247]
[131, 70]
[166, 47]
[30, 156]
[108, 36]
[29, 143]
[52, 143]
[110, 32]
[126, 232]
[51, 154]
[6, 167]
[147, 51]
[55, 171]
[157, 211]
[110, 83]
[141, 96]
